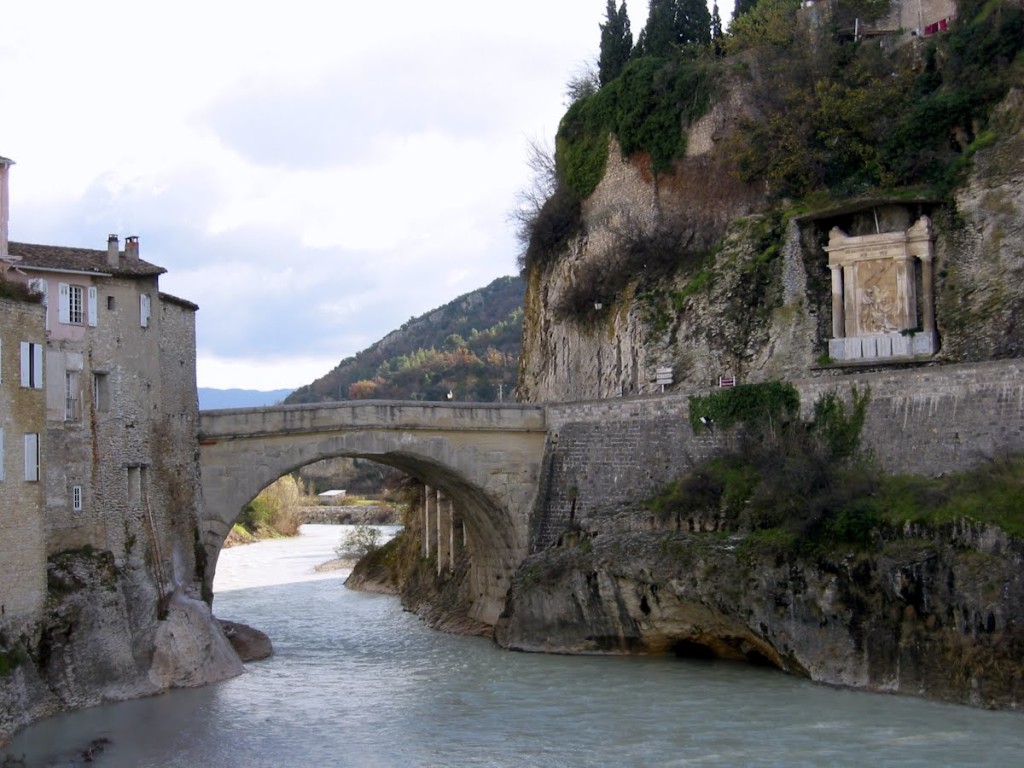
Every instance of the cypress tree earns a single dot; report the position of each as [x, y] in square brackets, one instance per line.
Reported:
[692, 22]
[616, 43]
[672, 23]
[660, 32]
[716, 29]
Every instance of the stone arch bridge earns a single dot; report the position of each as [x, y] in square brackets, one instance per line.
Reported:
[479, 464]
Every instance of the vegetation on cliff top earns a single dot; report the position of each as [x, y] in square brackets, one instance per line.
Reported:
[838, 115]
[848, 116]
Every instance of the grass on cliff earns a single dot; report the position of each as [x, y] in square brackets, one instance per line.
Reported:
[992, 492]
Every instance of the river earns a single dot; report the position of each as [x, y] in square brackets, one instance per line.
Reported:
[355, 681]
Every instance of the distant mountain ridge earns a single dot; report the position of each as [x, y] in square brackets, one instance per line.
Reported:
[212, 399]
[469, 348]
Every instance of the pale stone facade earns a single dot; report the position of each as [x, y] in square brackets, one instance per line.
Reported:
[876, 312]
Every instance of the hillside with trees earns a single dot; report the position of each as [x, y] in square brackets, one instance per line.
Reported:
[468, 347]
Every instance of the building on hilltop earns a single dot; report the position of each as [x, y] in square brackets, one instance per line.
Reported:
[102, 372]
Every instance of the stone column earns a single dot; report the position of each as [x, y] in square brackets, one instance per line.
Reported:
[444, 535]
[928, 295]
[838, 310]
[454, 524]
[428, 528]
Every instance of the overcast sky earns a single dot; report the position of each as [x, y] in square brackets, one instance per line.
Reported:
[311, 173]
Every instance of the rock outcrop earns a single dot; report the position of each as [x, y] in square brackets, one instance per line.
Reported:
[937, 613]
[746, 293]
[108, 637]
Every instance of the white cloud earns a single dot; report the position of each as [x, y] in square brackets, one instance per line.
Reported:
[312, 174]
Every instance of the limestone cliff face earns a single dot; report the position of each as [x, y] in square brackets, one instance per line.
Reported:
[933, 612]
[744, 293]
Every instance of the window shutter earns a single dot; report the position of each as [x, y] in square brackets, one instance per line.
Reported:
[92, 306]
[37, 366]
[144, 310]
[64, 305]
[31, 457]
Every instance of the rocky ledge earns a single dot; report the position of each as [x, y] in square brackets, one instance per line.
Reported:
[936, 613]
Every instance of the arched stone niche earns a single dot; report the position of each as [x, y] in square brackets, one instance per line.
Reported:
[877, 314]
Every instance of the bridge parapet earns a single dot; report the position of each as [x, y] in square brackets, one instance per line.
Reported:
[374, 414]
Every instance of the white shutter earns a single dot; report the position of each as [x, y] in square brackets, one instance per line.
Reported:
[1, 454]
[64, 305]
[31, 457]
[144, 310]
[92, 305]
[37, 366]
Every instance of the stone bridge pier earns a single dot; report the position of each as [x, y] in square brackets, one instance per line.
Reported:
[479, 464]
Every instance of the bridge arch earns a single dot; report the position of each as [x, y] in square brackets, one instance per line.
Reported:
[484, 458]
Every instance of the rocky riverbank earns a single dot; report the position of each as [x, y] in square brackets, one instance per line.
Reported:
[108, 635]
[929, 612]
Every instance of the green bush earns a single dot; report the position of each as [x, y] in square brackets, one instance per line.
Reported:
[360, 541]
[756, 407]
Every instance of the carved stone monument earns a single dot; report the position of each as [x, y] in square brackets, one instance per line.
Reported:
[876, 311]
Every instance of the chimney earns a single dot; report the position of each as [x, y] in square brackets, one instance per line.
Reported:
[131, 248]
[5, 165]
[113, 257]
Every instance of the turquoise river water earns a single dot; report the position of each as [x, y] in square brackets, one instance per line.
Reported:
[355, 681]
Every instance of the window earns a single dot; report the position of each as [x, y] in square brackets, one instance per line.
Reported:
[76, 498]
[32, 457]
[72, 396]
[144, 310]
[70, 308]
[100, 392]
[111, 303]
[31, 365]
[73, 309]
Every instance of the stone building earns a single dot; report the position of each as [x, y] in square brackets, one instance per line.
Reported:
[22, 427]
[112, 401]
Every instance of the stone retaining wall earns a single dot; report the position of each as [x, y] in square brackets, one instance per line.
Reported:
[602, 456]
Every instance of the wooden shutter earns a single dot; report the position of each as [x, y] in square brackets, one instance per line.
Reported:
[31, 457]
[64, 302]
[92, 306]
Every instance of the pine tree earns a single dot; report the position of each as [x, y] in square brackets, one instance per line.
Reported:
[616, 43]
